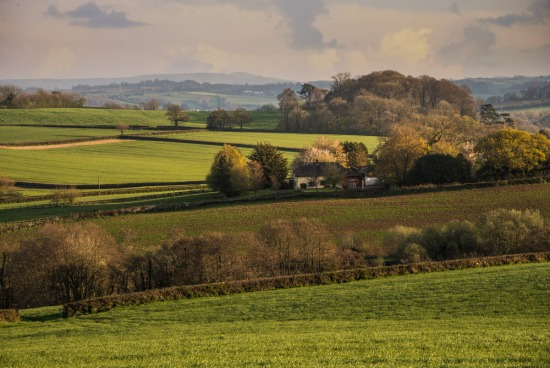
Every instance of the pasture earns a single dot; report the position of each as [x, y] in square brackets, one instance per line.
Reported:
[488, 317]
[281, 140]
[112, 163]
[112, 117]
[367, 218]
[37, 134]
[135, 161]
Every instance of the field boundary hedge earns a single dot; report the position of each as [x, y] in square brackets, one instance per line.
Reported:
[102, 304]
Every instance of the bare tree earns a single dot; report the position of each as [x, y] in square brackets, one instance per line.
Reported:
[176, 114]
[61, 263]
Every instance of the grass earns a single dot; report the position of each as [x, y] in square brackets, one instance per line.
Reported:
[41, 209]
[492, 317]
[366, 218]
[111, 117]
[281, 140]
[34, 134]
[122, 162]
[137, 162]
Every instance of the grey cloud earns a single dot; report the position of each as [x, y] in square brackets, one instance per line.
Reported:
[538, 12]
[90, 15]
[300, 17]
[455, 8]
[474, 50]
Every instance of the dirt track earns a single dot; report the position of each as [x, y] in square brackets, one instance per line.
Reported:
[65, 145]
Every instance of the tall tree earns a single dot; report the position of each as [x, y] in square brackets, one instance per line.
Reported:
[322, 150]
[508, 152]
[274, 164]
[62, 263]
[288, 101]
[398, 153]
[219, 119]
[176, 114]
[357, 154]
[229, 173]
[242, 116]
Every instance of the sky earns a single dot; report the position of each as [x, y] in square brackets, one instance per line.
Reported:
[299, 40]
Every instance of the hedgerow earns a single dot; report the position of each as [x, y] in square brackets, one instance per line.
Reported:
[106, 303]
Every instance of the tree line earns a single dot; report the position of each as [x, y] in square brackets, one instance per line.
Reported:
[13, 97]
[62, 263]
[370, 104]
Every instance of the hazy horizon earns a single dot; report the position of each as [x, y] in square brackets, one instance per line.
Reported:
[293, 40]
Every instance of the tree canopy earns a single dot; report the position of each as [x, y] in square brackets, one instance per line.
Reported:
[176, 114]
[508, 152]
[272, 161]
[229, 174]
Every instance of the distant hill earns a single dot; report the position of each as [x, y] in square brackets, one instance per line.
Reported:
[498, 86]
[238, 78]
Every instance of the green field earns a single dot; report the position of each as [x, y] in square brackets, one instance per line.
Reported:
[136, 162]
[366, 218]
[121, 162]
[111, 117]
[281, 140]
[489, 317]
[369, 218]
[36, 134]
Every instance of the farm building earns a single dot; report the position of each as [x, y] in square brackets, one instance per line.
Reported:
[320, 174]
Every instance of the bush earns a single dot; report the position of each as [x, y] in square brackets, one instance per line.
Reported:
[506, 231]
[9, 315]
[440, 169]
[414, 253]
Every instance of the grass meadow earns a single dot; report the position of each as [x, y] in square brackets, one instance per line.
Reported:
[488, 317]
[133, 161]
[112, 117]
[367, 218]
[37, 134]
[113, 163]
[281, 140]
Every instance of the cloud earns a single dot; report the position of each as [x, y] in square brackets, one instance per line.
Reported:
[300, 17]
[538, 12]
[408, 45]
[90, 15]
[455, 8]
[473, 50]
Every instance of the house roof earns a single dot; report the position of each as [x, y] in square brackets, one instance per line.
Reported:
[316, 169]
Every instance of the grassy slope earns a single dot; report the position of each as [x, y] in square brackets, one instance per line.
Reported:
[370, 218]
[136, 162]
[123, 162]
[34, 134]
[493, 317]
[89, 117]
[281, 140]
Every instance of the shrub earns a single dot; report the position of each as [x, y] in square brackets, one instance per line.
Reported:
[61, 263]
[440, 169]
[413, 253]
[9, 315]
[505, 231]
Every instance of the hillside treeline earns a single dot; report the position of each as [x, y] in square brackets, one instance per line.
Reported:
[370, 104]
[168, 86]
[65, 263]
[13, 97]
